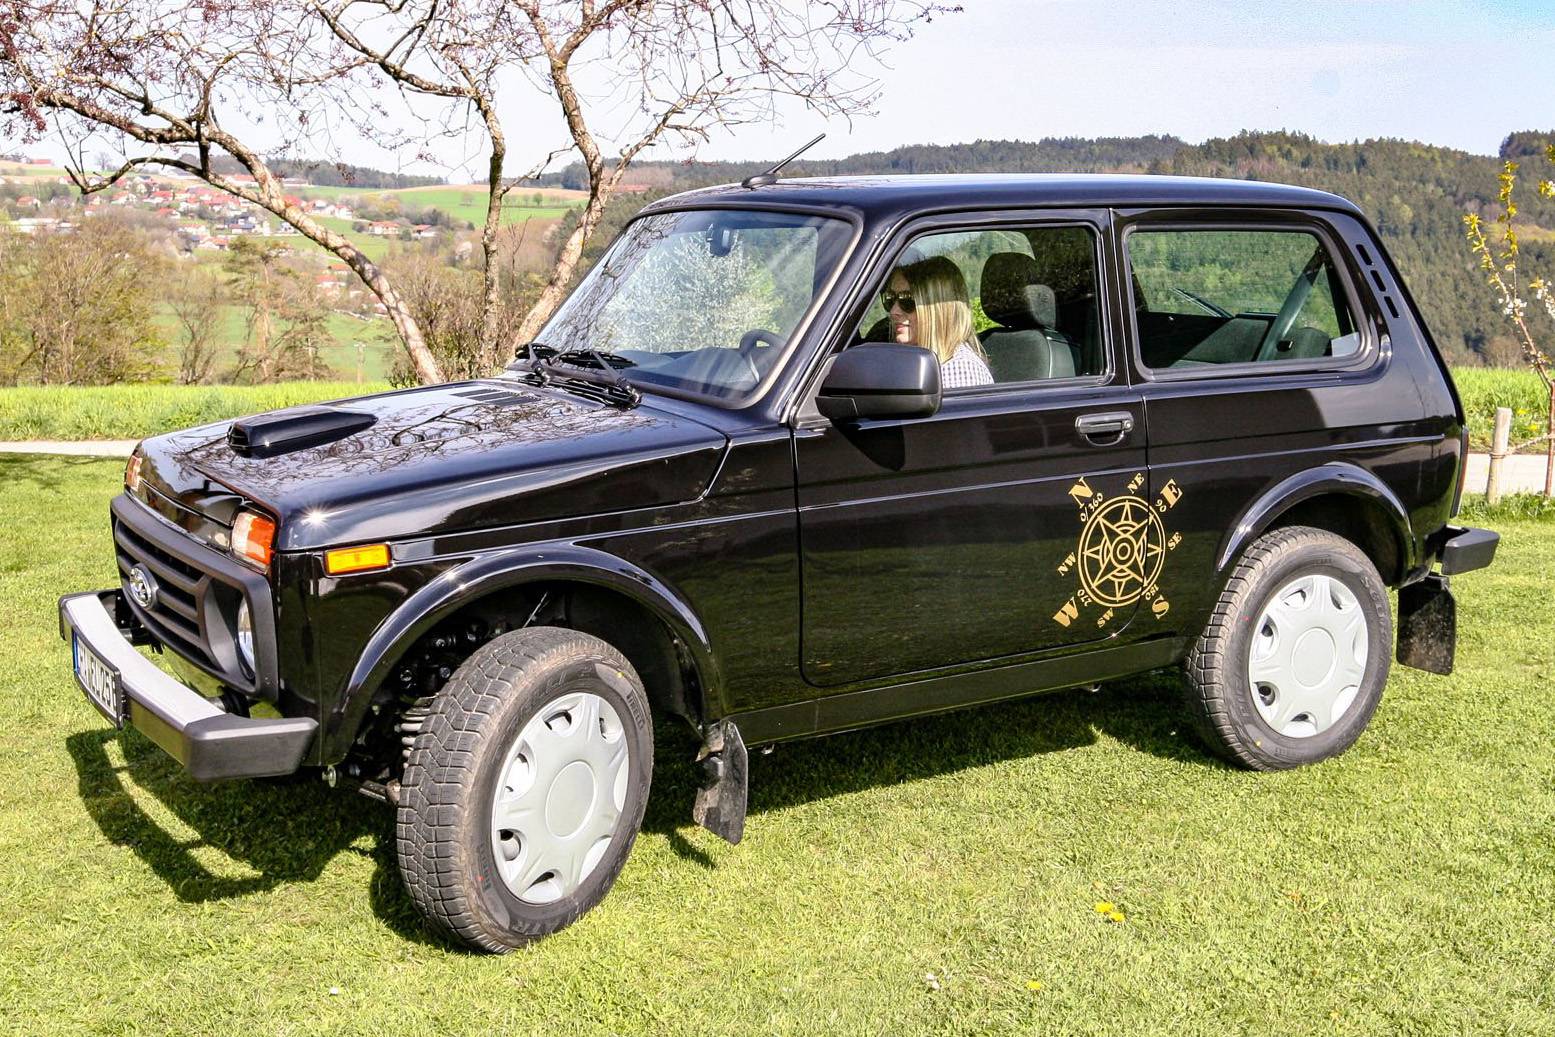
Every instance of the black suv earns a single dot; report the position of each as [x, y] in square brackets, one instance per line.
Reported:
[795, 458]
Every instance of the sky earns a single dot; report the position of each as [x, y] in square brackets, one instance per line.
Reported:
[1458, 73]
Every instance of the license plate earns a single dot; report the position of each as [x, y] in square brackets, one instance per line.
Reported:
[99, 680]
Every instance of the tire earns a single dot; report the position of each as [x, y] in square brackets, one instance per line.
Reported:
[1255, 698]
[524, 711]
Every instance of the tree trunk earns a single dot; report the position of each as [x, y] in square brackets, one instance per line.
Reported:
[556, 287]
[1549, 445]
[421, 358]
[490, 358]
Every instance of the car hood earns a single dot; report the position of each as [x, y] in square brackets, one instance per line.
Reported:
[439, 459]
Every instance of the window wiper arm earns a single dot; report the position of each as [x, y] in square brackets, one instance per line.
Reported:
[539, 360]
[607, 363]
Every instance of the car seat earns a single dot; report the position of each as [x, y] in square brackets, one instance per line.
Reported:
[1024, 347]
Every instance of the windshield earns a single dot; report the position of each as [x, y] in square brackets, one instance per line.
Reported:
[703, 301]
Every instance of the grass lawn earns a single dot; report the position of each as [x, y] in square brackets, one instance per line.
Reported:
[135, 411]
[1407, 887]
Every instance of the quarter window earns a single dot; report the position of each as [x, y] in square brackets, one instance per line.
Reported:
[1211, 297]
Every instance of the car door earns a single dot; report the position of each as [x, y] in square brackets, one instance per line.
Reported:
[1010, 522]
[1261, 356]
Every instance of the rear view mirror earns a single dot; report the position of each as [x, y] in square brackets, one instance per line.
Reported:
[881, 380]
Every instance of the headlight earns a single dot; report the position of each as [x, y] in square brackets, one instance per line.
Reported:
[246, 636]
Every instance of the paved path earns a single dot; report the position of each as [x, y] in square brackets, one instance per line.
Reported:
[79, 448]
[1519, 473]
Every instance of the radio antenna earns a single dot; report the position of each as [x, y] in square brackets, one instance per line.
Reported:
[771, 175]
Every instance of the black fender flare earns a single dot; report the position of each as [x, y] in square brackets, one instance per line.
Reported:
[501, 570]
[1335, 477]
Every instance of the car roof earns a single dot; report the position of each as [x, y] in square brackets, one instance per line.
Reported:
[877, 196]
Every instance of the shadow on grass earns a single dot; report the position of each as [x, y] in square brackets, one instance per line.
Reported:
[1143, 712]
[288, 833]
[281, 832]
[40, 470]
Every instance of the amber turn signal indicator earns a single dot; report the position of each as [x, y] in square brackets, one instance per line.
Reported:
[252, 538]
[356, 559]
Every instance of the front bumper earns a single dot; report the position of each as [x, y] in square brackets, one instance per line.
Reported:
[210, 743]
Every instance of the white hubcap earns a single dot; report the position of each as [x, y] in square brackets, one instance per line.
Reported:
[1308, 656]
[559, 795]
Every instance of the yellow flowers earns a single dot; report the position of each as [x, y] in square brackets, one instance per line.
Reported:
[1033, 985]
[1108, 910]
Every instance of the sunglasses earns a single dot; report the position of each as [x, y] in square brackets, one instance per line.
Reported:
[889, 298]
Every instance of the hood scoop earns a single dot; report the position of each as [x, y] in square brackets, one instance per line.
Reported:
[296, 428]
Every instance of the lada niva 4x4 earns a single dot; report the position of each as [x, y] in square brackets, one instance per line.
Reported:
[794, 458]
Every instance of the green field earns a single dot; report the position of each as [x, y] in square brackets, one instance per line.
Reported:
[464, 202]
[340, 355]
[1483, 389]
[939, 876]
[135, 411]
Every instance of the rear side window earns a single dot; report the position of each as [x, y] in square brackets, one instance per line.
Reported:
[1225, 296]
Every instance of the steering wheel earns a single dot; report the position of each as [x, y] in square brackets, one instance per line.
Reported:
[751, 344]
[755, 337]
[1290, 309]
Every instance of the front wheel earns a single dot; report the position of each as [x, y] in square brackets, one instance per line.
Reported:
[525, 788]
[1291, 665]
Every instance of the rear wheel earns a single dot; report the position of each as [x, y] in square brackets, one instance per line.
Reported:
[525, 788]
[1292, 663]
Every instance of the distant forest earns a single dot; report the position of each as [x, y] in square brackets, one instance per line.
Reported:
[1416, 194]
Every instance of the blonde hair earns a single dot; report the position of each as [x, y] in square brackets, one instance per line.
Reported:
[944, 316]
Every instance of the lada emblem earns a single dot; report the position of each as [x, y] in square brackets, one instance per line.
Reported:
[143, 588]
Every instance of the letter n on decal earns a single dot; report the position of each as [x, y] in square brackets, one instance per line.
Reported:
[1081, 492]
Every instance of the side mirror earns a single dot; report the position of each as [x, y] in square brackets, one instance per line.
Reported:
[880, 380]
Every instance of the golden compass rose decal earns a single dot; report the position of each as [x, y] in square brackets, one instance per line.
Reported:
[1122, 548]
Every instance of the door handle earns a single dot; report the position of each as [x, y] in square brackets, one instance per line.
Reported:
[1105, 429]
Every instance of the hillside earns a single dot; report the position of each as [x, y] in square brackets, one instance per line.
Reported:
[1415, 193]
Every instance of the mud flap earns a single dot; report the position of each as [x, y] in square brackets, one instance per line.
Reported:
[1427, 625]
[720, 802]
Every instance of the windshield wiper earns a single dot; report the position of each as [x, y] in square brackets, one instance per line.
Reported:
[544, 360]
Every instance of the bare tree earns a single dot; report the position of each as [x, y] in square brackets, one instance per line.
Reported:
[196, 300]
[649, 70]
[78, 305]
[161, 76]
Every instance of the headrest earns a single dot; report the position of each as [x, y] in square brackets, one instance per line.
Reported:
[1012, 295]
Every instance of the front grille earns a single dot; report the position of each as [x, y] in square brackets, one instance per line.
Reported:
[199, 592]
[177, 616]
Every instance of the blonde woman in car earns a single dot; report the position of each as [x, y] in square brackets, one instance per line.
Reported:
[926, 304]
